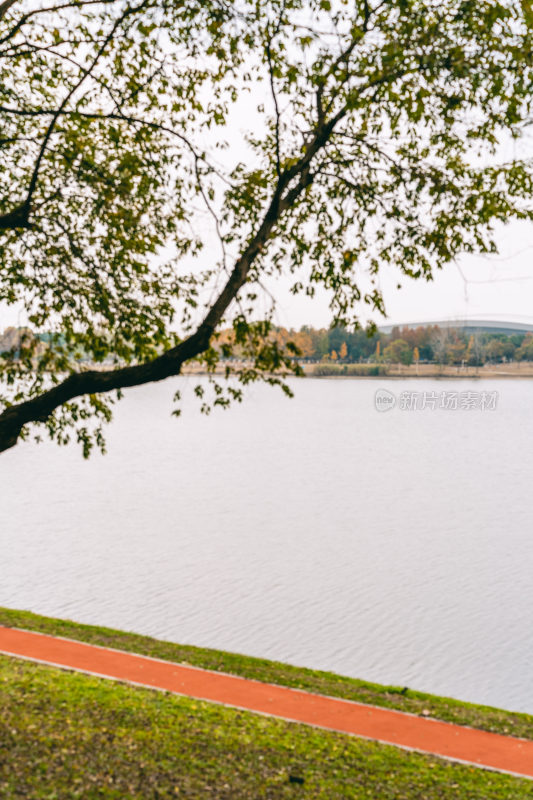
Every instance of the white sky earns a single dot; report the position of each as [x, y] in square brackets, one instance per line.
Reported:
[474, 287]
[493, 287]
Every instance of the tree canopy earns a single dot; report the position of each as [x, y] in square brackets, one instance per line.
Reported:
[371, 134]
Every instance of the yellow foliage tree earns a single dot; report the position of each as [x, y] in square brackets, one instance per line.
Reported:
[343, 352]
[334, 355]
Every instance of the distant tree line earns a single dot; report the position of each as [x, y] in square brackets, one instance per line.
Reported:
[407, 345]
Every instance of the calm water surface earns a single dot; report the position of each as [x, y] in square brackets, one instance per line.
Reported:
[395, 547]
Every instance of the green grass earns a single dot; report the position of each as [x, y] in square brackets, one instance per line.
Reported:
[66, 735]
[483, 717]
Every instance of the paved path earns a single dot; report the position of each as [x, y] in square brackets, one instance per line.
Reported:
[491, 750]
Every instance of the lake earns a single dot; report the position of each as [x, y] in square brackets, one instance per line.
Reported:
[391, 546]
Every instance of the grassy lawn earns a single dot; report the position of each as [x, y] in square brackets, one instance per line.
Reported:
[483, 717]
[68, 735]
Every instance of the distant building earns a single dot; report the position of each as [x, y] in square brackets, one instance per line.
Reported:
[473, 326]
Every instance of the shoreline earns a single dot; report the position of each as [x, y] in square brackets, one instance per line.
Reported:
[511, 371]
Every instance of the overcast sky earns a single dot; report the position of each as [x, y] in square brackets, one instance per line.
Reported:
[493, 287]
[490, 287]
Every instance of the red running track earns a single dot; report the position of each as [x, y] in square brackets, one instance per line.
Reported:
[491, 750]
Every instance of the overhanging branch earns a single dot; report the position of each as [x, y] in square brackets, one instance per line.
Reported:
[290, 184]
[17, 218]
